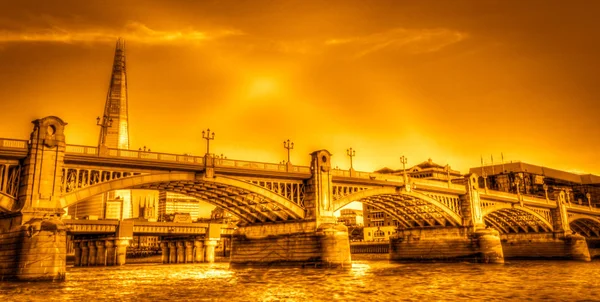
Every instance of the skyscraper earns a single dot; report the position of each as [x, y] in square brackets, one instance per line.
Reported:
[116, 108]
[114, 133]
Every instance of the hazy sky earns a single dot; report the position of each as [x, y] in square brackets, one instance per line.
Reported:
[450, 80]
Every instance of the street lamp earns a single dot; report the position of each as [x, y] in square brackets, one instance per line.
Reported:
[208, 136]
[404, 160]
[351, 153]
[289, 145]
[104, 125]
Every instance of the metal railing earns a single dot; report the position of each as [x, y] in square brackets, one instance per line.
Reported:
[185, 158]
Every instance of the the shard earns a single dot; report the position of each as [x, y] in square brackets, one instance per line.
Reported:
[116, 107]
[114, 133]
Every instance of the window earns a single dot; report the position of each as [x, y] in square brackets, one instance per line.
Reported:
[379, 233]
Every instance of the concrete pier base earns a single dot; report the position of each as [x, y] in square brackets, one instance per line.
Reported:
[34, 251]
[292, 244]
[593, 247]
[545, 246]
[449, 244]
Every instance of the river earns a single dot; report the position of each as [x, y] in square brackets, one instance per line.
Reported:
[365, 281]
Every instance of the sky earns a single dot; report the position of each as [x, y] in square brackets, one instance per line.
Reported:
[447, 80]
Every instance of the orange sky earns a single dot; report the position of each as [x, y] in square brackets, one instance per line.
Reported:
[450, 80]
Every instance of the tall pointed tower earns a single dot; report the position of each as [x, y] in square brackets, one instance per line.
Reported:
[117, 108]
[114, 133]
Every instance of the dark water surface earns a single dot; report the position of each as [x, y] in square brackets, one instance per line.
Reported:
[365, 281]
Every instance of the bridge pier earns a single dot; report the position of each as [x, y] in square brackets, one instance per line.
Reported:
[188, 250]
[449, 244]
[593, 244]
[545, 246]
[33, 251]
[198, 251]
[294, 243]
[100, 252]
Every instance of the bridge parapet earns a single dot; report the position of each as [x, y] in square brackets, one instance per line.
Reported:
[8, 143]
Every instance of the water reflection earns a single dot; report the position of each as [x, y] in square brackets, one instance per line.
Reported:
[366, 280]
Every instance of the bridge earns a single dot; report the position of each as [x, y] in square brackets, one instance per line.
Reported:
[286, 211]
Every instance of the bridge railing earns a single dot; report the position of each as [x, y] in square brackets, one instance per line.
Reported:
[583, 207]
[81, 149]
[13, 143]
[185, 158]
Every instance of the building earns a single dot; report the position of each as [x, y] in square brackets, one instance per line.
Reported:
[351, 217]
[379, 226]
[172, 203]
[426, 170]
[529, 179]
[114, 133]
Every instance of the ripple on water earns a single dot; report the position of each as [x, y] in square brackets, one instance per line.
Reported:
[366, 280]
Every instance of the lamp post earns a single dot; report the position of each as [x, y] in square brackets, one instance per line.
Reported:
[404, 160]
[208, 136]
[484, 175]
[104, 124]
[351, 153]
[289, 145]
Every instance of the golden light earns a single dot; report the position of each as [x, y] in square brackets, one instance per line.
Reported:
[262, 87]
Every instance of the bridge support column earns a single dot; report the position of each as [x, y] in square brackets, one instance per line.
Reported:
[34, 251]
[77, 249]
[180, 252]
[100, 253]
[121, 247]
[209, 250]
[545, 246]
[172, 252]
[111, 253]
[292, 244]
[32, 237]
[189, 251]
[164, 247]
[593, 246]
[198, 251]
[92, 253]
[446, 244]
[84, 253]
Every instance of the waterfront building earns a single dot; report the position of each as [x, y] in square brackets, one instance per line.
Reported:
[172, 203]
[351, 217]
[534, 180]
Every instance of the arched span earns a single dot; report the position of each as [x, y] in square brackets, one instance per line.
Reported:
[509, 219]
[391, 198]
[248, 201]
[585, 225]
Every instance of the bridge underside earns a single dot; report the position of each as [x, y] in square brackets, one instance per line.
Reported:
[411, 212]
[249, 206]
[526, 234]
[512, 220]
[252, 203]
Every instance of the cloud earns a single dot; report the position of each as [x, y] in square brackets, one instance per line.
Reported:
[132, 31]
[412, 41]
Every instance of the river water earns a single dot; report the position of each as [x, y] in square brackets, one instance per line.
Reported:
[365, 281]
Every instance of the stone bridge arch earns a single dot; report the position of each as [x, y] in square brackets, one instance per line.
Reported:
[410, 208]
[585, 225]
[507, 218]
[249, 202]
